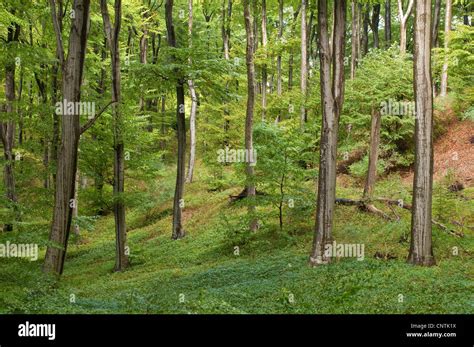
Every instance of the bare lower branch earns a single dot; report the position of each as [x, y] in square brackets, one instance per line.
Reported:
[91, 121]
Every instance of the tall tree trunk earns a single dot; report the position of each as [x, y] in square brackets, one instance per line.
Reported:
[7, 128]
[373, 153]
[163, 124]
[70, 131]
[365, 30]
[250, 184]
[55, 86]
[304, 61]
[264, 67]
[436, 21]
[354, 36]
[280, 35]
[388, 23]
[178, 203]
[447, 30]
[194, 103]
[421, 251]
[375, 24]
[291, 58]
[226, 21]
[332, 96]
[112, 34]
[403, 24]
[226, 16]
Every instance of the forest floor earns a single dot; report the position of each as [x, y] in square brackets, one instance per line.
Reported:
[202, 273]
[216, 270]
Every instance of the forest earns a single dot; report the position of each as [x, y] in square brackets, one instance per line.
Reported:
[236, 156]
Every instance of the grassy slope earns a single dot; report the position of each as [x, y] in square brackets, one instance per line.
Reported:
[272, 266]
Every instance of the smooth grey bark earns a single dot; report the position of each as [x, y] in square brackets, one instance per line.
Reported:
[421, 251]
[226, 20]
[264, 67]
[226, 32]
[403, 24]
[194, 103]
[354, 37]
[72, 70]
[112, 34]
[447, 29]
[332, 95]
[178, 202]
[250, 175]
[388, 23]
[280, 35]
[304, 62]
[291, 58]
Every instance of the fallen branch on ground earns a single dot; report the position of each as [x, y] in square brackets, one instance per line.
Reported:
[364, 205]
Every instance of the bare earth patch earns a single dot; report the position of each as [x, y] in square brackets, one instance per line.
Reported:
[454, 154]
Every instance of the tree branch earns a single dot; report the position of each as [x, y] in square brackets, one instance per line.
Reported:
[91, 121]
[58, 34]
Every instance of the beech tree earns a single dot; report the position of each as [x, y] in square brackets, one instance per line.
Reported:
[332, 96]
[72, 68]
[251, 86]
[403, 23]
[112, 35]
[435, 23]
[421, 251]
[264, 67]
[194, 102]
[447, 29]
[355, 40]
[178, 202]
[7, 128]
[304, 61]
[388, 23]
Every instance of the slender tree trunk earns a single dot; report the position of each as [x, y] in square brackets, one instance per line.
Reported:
[291, 58]
[7, 129]
[55, 142]
[365, 30]
[421, 251]
[143, 60]
[354, 37]
[178, 203]
[163, 124]
[388, 23]
[264, 67]
[70, 132]
[226, 21]
[113, 34]
[250, 184]
[226, 15]
[375, 24]
[280, 35]
[373, 153]
[332, 96]
[447, 30]
[75, 210]
[403, 24]
[304, 61]
[436, 21]
[194, 103]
